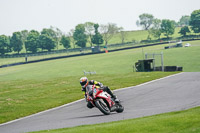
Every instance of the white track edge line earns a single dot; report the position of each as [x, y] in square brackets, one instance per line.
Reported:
[149, 81]
[40, 112]
[83, 99]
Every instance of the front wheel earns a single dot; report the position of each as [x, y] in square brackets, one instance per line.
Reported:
[102, 106]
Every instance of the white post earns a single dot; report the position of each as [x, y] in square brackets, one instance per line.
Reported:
[154, 61]
[162, 61]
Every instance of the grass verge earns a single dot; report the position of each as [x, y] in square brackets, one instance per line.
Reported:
[186, 121]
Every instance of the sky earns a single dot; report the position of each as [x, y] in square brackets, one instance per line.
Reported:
[18, 15]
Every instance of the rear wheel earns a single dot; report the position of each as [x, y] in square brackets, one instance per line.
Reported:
[102, 106]
[120, 108]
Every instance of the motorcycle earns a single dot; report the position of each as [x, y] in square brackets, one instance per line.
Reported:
[102, 100]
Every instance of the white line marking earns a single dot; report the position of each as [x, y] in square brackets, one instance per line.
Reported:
[65, 105]
[150, 81]
[41, 112]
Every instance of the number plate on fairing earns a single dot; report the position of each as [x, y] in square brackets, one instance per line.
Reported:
[104, 94]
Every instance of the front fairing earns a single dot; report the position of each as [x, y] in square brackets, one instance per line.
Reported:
[95, 93]
[107, 97]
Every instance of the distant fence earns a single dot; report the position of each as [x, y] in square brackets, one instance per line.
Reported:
[46, 52]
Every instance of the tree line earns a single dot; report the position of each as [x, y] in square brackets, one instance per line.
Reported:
[157, 27]
[50, 38]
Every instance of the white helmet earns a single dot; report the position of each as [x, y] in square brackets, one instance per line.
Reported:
[84, 81]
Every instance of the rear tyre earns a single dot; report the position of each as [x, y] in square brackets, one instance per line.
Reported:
[102, 106]
[120, 108]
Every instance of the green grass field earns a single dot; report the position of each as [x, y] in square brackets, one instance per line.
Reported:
[30, 88]
[175, 122]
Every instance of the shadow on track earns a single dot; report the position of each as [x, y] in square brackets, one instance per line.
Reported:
[91, 116]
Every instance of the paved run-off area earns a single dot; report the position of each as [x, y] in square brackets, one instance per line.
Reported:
[172, 93]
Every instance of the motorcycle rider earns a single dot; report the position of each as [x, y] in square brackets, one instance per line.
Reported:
[84, 82]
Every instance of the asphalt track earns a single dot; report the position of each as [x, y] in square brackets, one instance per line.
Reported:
[173, 93]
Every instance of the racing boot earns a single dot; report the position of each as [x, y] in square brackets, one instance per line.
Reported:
[115, 98]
